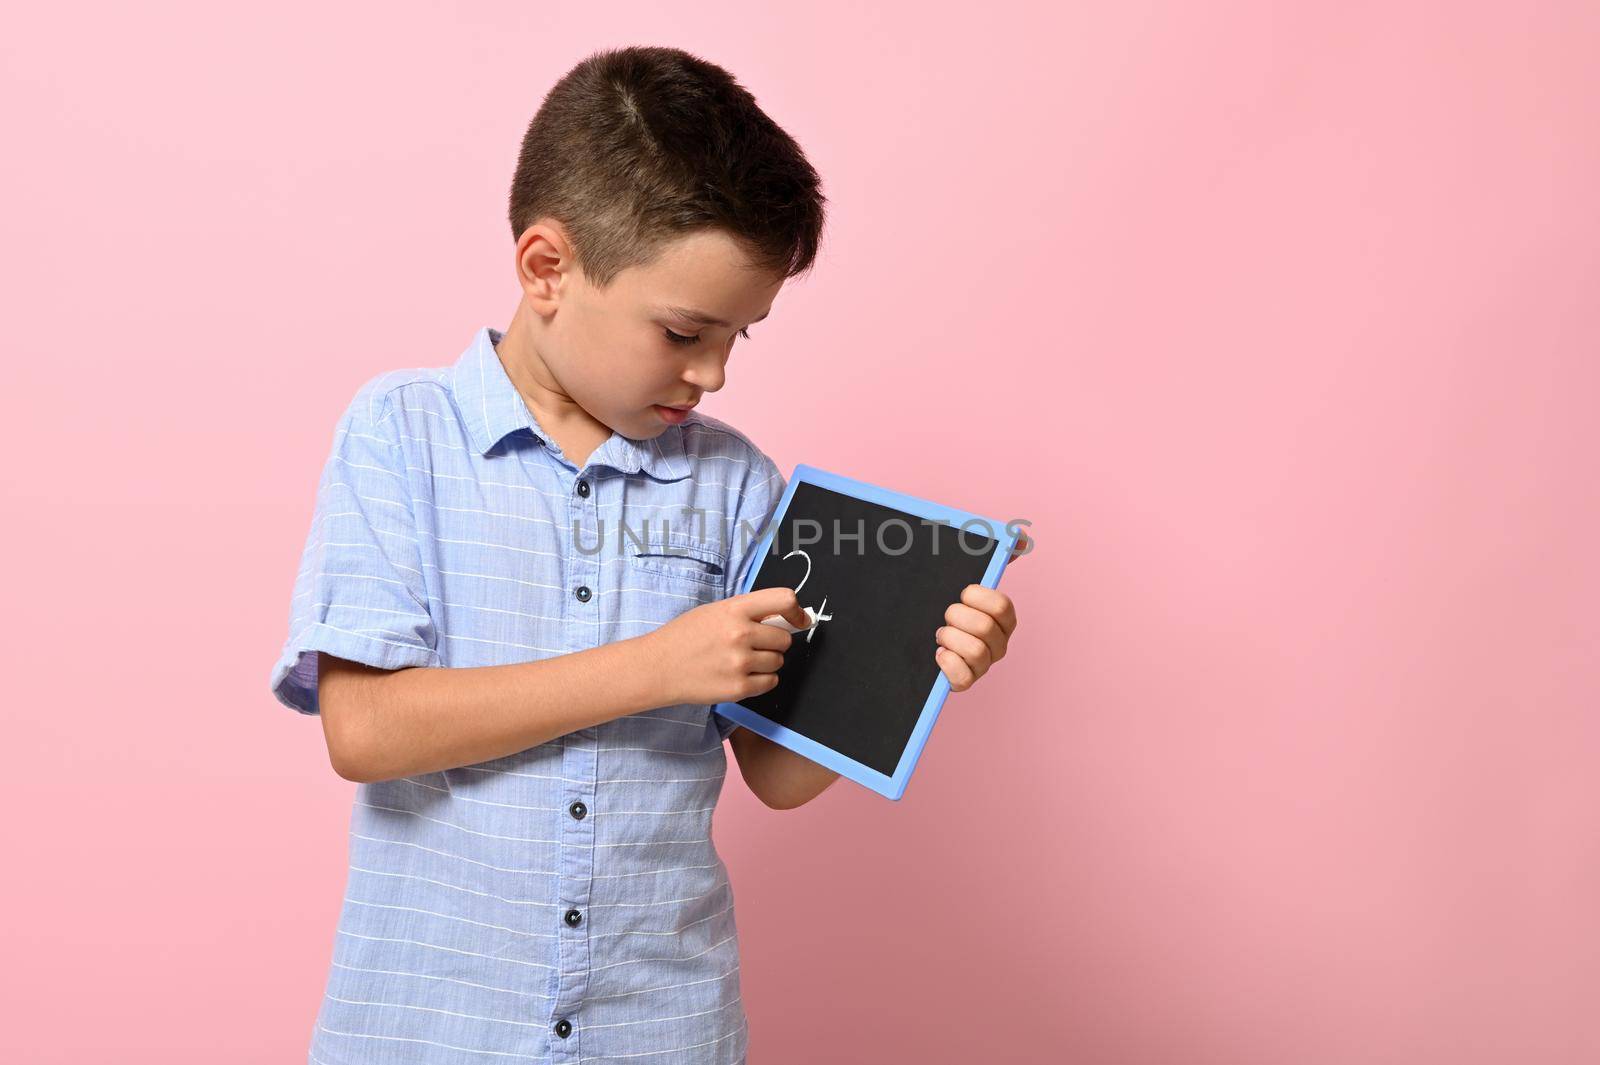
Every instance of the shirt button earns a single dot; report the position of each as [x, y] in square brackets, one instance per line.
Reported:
[583, 489]
[573, 917]
[583, 593]
[577, 810]
[563, 1028]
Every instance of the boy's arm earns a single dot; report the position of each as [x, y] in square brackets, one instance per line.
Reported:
[384, 724]
[780, 778]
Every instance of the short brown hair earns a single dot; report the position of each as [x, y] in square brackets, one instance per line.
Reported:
[635, 146]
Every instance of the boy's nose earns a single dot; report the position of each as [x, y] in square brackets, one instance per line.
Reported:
[706, 378]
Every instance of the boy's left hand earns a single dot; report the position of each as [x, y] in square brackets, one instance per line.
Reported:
[975, 634]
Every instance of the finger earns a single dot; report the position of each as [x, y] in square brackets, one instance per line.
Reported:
[766, 661]
[765, 602]
[996, 604]
[1023, 546]
[973, 650]
[797, 617]
[759, 683]
[770, 638]
[983, 626]
[955, 668]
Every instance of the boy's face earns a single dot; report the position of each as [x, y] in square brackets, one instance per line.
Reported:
[627, 352]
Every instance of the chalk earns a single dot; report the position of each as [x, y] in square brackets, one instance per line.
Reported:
[813, 617]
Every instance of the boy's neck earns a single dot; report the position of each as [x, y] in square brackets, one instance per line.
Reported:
[571, 428]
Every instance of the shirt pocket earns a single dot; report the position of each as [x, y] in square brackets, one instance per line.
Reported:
[679, 562]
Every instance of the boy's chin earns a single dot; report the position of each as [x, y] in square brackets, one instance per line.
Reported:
[645, 426]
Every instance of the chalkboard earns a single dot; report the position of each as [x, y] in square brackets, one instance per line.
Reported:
[860, 690]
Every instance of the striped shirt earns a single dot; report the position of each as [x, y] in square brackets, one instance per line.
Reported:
[565, 903]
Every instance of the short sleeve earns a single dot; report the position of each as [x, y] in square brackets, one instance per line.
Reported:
[359, 593]
[763, 488]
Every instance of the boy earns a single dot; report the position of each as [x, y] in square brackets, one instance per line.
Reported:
[532, 875]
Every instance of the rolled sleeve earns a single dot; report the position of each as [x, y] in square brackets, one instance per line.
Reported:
[758, 499]
[359, 593]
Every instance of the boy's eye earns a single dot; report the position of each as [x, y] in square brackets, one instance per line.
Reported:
[679, 338]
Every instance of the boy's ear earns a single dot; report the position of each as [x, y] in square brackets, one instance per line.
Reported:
[544, 260]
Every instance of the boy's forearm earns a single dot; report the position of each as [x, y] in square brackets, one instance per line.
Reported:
[780, 778]
[390, 724]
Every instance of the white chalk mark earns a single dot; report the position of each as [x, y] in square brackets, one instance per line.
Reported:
[807, 577]
[817, 618]
[813, 617]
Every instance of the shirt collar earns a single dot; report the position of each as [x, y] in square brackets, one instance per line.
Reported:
[493, 409]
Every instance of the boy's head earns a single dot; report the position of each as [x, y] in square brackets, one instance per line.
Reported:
[649, 185]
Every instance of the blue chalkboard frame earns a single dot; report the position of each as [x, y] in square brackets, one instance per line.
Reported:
[893, 787]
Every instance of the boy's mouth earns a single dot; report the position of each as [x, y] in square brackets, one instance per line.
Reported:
[672, 415]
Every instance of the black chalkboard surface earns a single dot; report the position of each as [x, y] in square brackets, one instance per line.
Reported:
[859, 691]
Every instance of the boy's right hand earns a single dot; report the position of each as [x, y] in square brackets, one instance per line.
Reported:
[721, 652]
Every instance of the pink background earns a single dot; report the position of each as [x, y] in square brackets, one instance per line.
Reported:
[1280, 327]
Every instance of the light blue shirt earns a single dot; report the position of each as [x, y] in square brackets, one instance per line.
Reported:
[563, 904]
